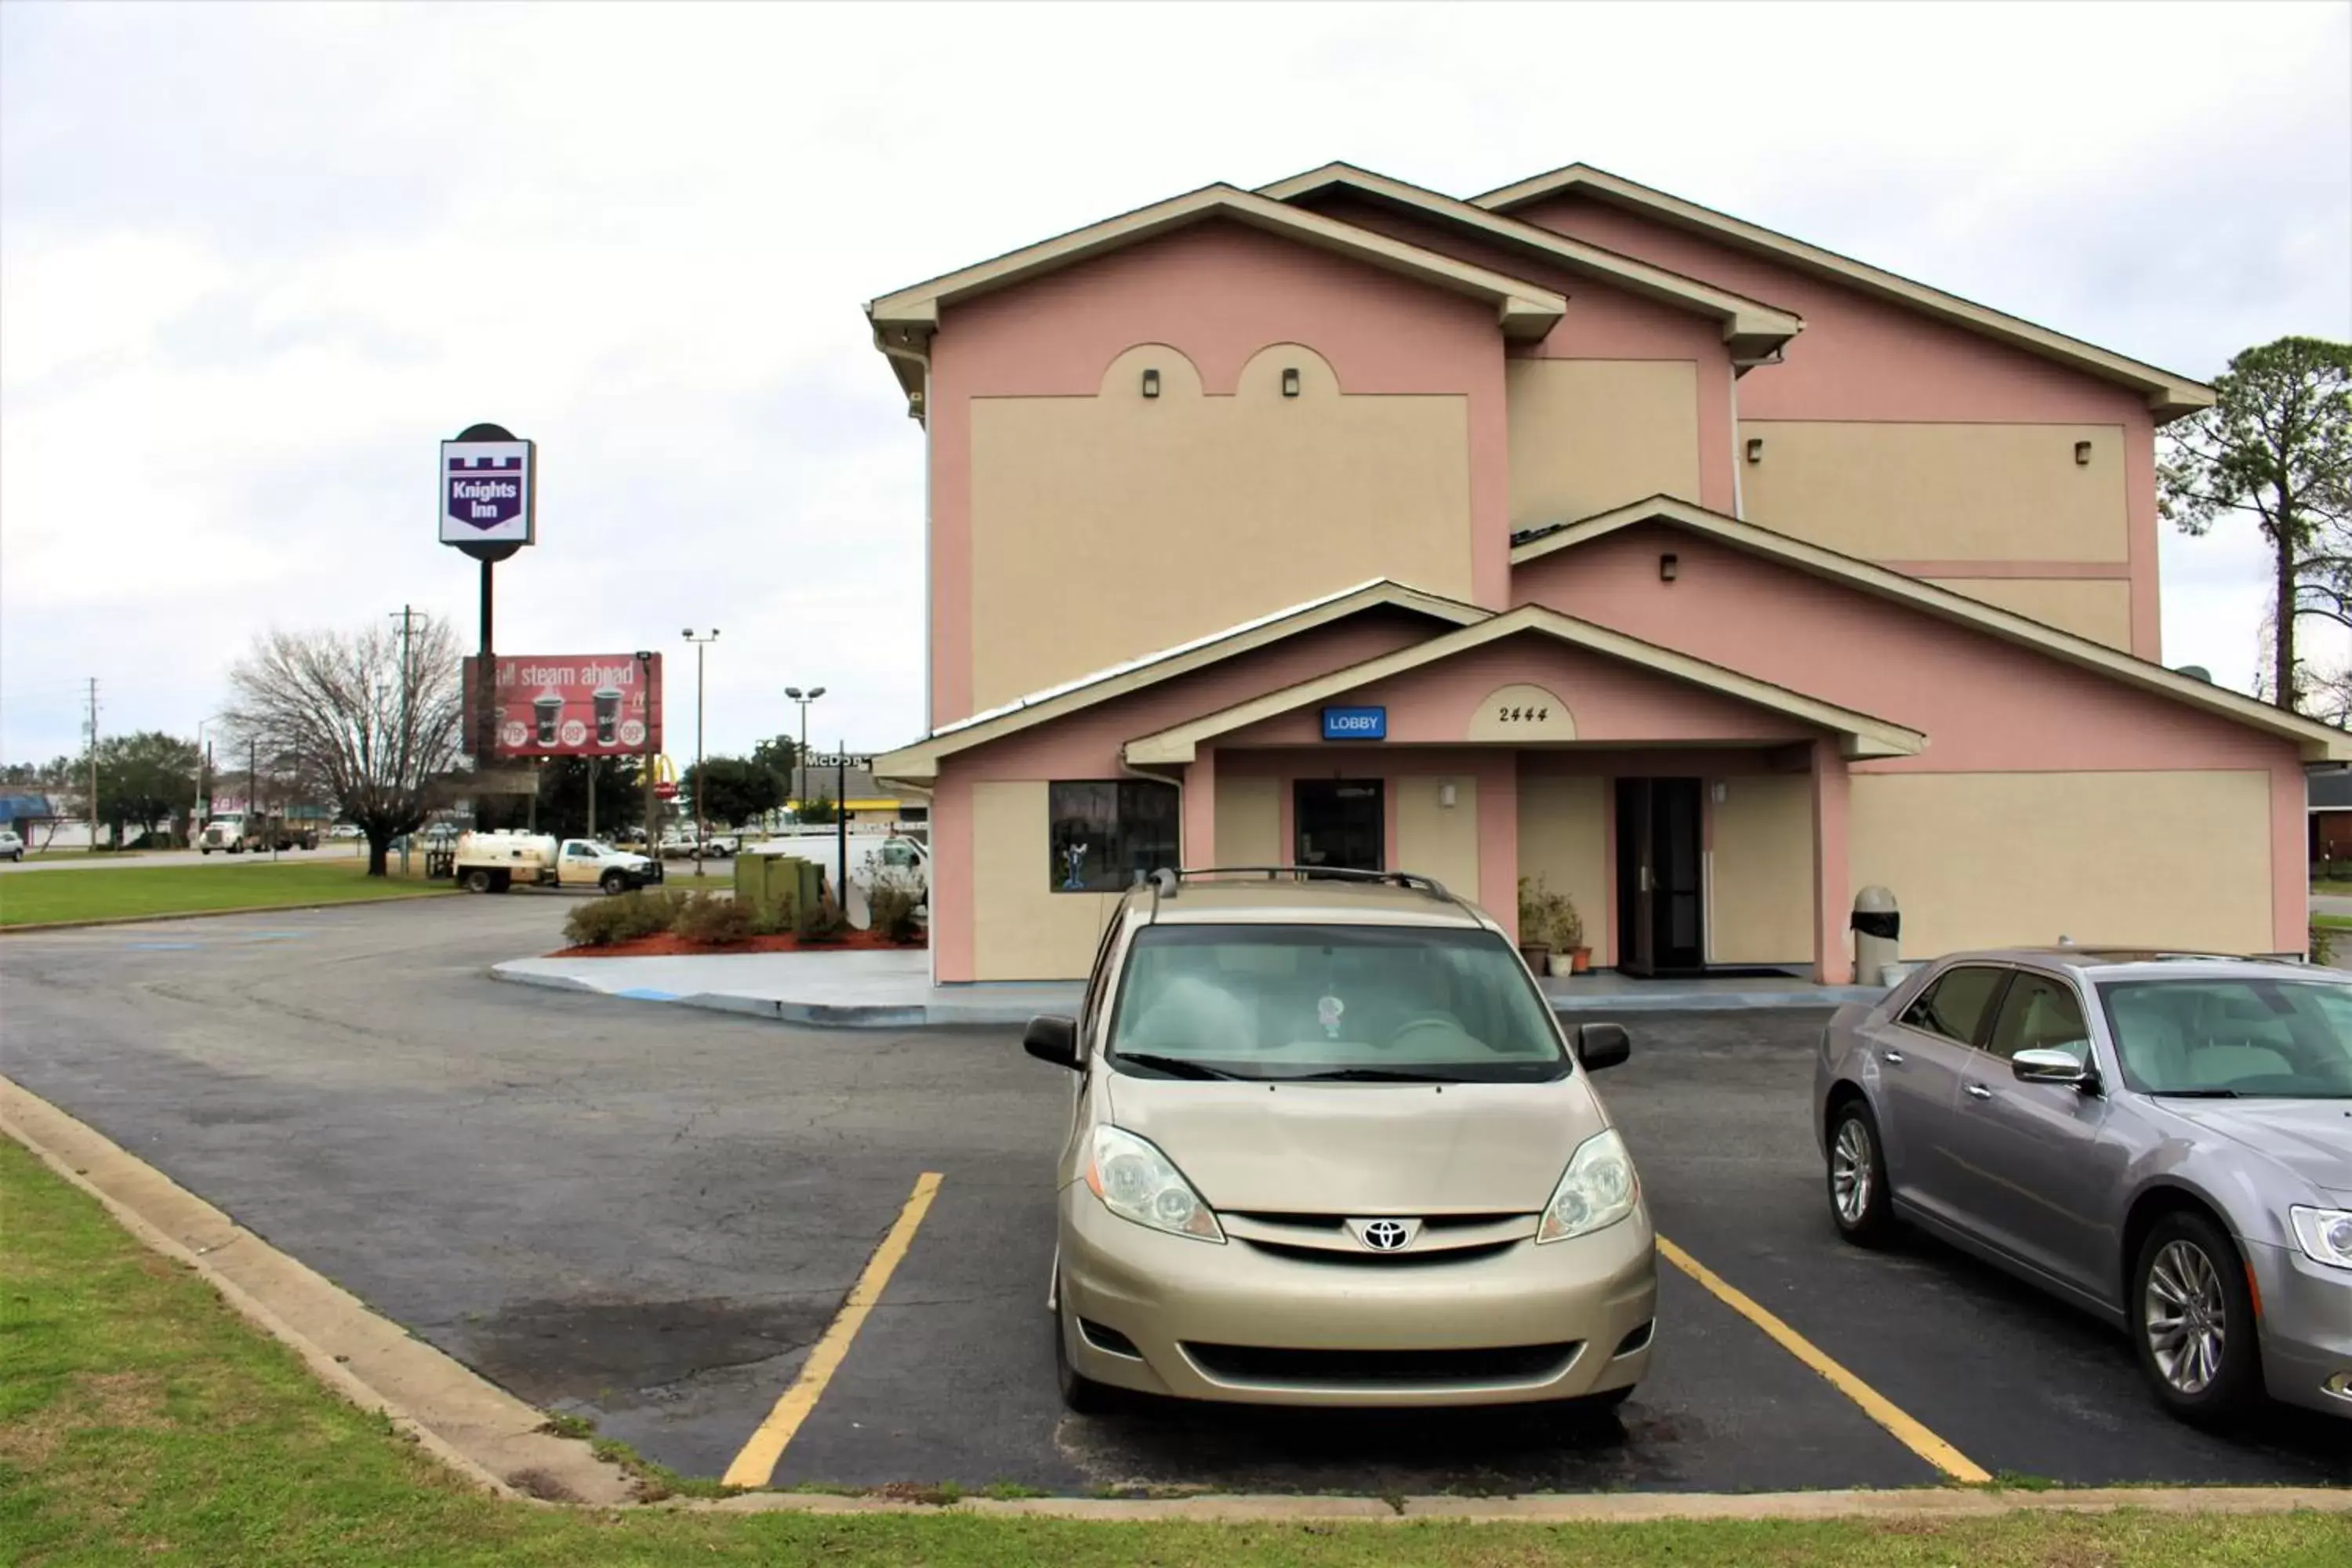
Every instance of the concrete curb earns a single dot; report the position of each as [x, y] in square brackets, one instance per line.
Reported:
[1599, 1507]
[979, 1010]
[488, 1436]
[475, 1427]
[215, 914]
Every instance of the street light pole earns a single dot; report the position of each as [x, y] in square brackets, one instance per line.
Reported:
[799, 757]
[701, 822]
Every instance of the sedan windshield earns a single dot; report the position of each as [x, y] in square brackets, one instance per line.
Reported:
[1358, 1003]
[2224, 1038]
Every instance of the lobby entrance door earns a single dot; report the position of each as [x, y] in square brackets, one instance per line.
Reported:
[1340, 822]
[1660, 903]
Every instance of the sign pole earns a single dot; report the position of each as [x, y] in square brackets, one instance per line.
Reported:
[841, 819]
[645, 685]
[489, 510]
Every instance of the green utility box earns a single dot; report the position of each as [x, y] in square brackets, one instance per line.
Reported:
[778, 882]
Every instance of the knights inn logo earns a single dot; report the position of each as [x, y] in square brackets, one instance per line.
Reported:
[486, 490]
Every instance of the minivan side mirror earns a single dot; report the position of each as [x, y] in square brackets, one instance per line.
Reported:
[1052, 1039]
[1601, 1046]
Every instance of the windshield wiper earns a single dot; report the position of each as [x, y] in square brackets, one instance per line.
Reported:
[1174, 1067]
[1368, 1075]
[2195, 1093]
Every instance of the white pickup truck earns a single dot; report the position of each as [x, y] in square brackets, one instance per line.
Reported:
[493, 862]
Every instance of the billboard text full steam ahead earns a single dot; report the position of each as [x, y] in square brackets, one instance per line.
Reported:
[575, 705]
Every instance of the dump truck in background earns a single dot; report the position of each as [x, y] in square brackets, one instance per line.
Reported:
[494, 862]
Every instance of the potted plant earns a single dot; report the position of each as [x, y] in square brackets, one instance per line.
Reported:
[1535, 925]
[1567, 931]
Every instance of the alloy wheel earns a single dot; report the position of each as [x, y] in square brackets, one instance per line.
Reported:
[1850, 1171]
[2186, 1317]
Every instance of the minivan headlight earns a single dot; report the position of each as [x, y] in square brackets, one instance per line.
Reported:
[1136, 1181]
[1598, 1190]
[2324, 1235]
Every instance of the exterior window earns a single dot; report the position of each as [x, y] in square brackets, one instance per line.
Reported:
[1954, 1004]
[1105, 831]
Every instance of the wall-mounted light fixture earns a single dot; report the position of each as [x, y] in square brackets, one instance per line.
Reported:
[1756, 448]
[1151, 383]
[1290, 381]
[1445, 796]
[2083, 454]
[1669, 568]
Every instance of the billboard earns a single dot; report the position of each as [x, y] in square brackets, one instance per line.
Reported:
[574, 705]
[485, 493]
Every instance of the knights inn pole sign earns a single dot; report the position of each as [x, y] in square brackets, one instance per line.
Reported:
[487, 483]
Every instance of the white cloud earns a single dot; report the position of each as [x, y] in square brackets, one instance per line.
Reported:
[255, 262]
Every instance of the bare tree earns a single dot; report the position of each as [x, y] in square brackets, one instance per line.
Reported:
[346, 711]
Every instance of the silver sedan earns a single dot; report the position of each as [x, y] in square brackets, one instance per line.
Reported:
[2164, 1140]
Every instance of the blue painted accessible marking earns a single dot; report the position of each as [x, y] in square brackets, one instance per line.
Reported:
[640, 993]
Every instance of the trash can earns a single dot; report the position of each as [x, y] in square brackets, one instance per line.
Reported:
[1877, 938]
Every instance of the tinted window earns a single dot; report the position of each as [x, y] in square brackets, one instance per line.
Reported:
[1105, 831]
[1287, 1002]
[2040, 1014]
[2290, 1038]
[1954, 1004]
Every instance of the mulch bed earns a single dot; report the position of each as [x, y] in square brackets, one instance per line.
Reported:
[669, 945]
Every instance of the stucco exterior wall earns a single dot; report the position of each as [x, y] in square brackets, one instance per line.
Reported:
[2098, 608]
[1022, 928]
[1218, 294]
[1249, 821]
[1864, 359]
[2177, 859]
[1588, 435]
[1761, 869]
[1564, 838]
[1109, 526]
[1433, 838]
[1888, 491]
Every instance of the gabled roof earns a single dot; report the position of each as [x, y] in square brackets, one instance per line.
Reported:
[2169, 396]
[2318, 741]
[1752, 328]
[1859, 734]
[904, 321]
[920, 763]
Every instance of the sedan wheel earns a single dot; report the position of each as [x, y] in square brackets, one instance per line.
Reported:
[1857, 1177]
[2195, 1319]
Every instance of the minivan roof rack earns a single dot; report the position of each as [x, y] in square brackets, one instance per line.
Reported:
[1166, 881]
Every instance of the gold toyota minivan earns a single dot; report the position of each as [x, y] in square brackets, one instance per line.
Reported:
[1330, 1146]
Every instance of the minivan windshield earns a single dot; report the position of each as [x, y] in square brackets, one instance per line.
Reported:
[2227, 1038]
[1365, 1003]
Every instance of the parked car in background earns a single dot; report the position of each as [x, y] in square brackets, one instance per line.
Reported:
[346, 830]
[1330, 1146]
[2163, 1141]
[12, 847]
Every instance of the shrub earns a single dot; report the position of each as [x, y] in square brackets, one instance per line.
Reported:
[773, 918]
[1547, 918]
[649, 911]
[821, 921]
[2323, 945]
[713, 920]
[594, 924]
[892, 900]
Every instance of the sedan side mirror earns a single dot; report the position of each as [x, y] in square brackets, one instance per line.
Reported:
[1052, 1039]
[2053, 1067]
[1601, 1046]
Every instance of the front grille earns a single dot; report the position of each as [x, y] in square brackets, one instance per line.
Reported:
[1337, 1221]
[1274, 1365]
[1364, 1258]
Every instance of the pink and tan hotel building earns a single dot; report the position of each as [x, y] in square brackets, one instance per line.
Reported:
[1575, 530]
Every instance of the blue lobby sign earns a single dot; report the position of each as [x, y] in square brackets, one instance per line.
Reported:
[1355, 723]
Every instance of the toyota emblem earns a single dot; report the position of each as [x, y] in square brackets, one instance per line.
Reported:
[1386, 1235]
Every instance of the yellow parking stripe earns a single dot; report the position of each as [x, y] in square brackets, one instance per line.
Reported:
[757, 1463]
[1875, 1405]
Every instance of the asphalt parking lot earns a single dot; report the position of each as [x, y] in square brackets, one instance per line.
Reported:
[649, 1216]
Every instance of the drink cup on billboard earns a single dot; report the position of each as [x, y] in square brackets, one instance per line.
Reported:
[549, 707]
[608, 714]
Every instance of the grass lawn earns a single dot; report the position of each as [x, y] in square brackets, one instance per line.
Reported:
[2337, 890]
[114, 892]
[141, 1420]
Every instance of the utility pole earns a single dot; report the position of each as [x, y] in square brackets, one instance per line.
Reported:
[401, 747]
[701, 828]
[645, 685]
[93, 764]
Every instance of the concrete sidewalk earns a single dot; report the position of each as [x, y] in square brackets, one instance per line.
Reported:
[894, 990]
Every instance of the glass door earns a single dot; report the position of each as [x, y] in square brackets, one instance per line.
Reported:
[1340, 822]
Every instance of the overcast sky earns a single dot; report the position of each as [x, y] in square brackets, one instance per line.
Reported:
[255, 262]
